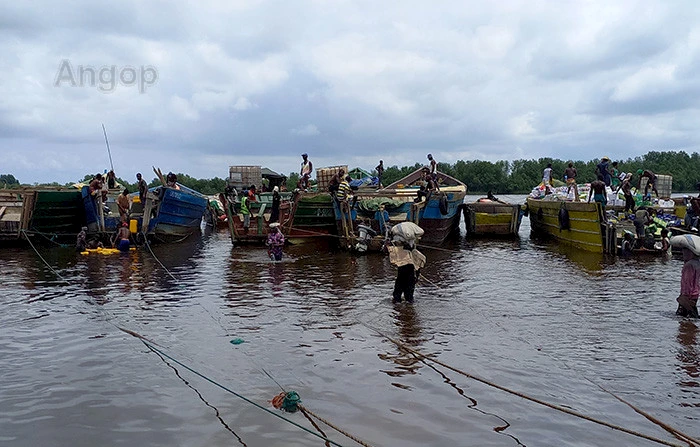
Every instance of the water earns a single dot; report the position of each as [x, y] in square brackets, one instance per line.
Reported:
[528, 315]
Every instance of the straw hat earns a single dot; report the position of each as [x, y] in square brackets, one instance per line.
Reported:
[604, 158]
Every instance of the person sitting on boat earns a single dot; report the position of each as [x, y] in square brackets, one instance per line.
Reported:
[627, 244]
[252, 194]
[81, 242]
[598, 193]
[275, 242]
[570, 177]
[122, 237]
[641, 220]
[428, 185]
[334, 182]
[123, 204]
[651, 182]
[95, 185]
[111, 180]
[305, 173]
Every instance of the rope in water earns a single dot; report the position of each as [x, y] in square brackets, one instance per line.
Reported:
[223, 387]
[424, 357]
[44, 260]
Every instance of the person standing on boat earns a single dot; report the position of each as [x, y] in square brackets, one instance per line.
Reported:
[547, 179]
[651, 182]
[433, 168]
[626, 188]
[96, 184]
[142, 186]
[344, 190]
[334, 182]
[615, 180]
[275, 242]
[570, 176]
[123, 204]
[306, 169]
[245, 212]
[603, 170]
[598, 193]
[380, 172]
[276, 200]
[111, 180]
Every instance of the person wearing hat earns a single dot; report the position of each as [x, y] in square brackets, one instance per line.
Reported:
[275, 242]
[306, 169]
[651, 182]
[690, 275]
[603, 170]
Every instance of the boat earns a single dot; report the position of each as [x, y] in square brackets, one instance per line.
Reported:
[48, 214]
[313, 217]
[260, 210]
[11, 206]
[579, 224]
[362, 223]
[169, 214]
[489, 216]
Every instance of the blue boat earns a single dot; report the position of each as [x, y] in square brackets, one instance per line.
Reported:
[168, 214]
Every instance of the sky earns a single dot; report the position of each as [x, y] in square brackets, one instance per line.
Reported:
[196, 87]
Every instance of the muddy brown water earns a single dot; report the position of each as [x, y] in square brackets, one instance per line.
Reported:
[526, 314]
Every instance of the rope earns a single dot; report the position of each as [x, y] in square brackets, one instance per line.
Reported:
[240, 396]
[339, 430]
[422, 356]
[44, 260]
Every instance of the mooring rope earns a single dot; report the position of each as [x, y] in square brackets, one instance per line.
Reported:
[492, 384]
[44, 260]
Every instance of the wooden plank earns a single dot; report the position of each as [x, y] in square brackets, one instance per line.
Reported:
[2, 211]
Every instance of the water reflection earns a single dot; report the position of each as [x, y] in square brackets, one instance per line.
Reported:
[688, 353]
[409, 329]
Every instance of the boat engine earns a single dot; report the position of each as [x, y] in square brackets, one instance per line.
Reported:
[365, 236]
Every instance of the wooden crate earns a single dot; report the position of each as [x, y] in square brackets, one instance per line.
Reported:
[324, 175]
[664, 184]
[244, 176]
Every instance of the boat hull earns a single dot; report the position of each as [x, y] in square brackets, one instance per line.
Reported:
[492, 219]
[586, 230]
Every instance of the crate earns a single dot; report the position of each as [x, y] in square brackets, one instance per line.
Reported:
[324, 175]
[664, 184]
[244, 176]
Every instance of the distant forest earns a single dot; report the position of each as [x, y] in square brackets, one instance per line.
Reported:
[500, 177]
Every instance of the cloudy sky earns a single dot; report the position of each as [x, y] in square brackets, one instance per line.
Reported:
[204, 85]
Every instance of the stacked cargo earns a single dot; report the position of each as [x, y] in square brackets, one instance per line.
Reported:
[324, 175]
[241, 177]
[664, 184]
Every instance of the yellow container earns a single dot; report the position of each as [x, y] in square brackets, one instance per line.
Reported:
[133, 226]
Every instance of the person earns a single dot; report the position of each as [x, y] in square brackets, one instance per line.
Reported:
[428, 185]
[142, 186]
[598, 193]
[305, 173]
[615, 180]
[251, 194]
[122, 237]
[245, 212]
[344, 190]
[627, 244]
[433, 167]
[380, 172]
[690, 275]
[570, 176]
[171, 181]
[641, 220]
[276, 200]
[96, 184]
[275, 242]
[334, 182]
[626, 188]
[404, 255]
[665, 242]
[111, 180]
[547, 179]
[81, 242]
[651, 182]
[603, 170]
[123, 204]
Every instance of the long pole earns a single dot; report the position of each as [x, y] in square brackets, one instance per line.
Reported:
[108, 151]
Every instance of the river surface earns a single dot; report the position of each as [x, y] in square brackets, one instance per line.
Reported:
[547, 322]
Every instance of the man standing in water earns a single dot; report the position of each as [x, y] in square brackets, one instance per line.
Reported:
[122, 237]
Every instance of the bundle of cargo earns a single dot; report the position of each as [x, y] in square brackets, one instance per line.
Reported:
[244, 176]
[664, 184]
[324, 175]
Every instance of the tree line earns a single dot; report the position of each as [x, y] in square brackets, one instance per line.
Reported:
[500, 177]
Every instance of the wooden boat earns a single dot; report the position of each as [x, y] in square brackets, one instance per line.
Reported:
[312, 217]
[580, 224]
[48, 214]
[168, 214]
[362, 224]
[492, 217]
[11, 206]
[259, 220]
